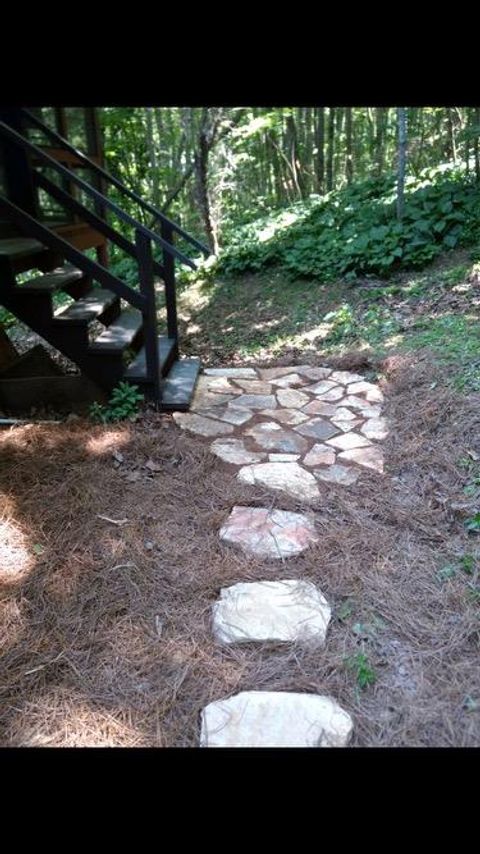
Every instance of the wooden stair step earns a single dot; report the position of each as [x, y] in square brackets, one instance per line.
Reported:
[120, 334]
[88, 308]
[179, 385]
[57, 279]
[20, 247]
[137, 370]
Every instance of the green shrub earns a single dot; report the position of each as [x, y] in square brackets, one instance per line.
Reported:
[123, 404]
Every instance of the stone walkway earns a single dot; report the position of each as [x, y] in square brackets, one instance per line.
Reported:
[288, 428]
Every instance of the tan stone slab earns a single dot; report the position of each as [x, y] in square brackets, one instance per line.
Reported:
[346, 426]
[343, 414]
[201, 425]
[319, 407]
[348, 441]
[343, 475]
[273, 373]
[255, 401]
[333, 394]
[285, 416]
[292, 399]
[283, 458]
[319, 455]
[370, 458]
[285, 477]
[317, 428]
[322, 387]
[275, 719]
[264, 532]
[219, 384]
[231, 372]
[312, 372]
[254, 386]
[371, 391]
[375, 428]
[288, 380]
[345, 377]
[270, 436]
[234, 451]
[230, 414]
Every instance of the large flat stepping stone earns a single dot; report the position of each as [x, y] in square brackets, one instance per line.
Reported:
[261, 611]
[256, 401]
[275, 719]
[371, 391]
[234, 451]
[272, 437]
[288, 380]
[219, 384]
[285, 416]
[230, 414]
[254, 386]
[319, 455]
[268, 533]
[287, 477]
[348, 441]
[201, 425]
[337, 474]
[375, 428]
[292, 399]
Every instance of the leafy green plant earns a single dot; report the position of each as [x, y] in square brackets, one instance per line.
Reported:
[123, 404]
[364, 673]
[473, 524]
[355, 231]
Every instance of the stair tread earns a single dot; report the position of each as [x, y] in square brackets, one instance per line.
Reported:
[120, 334]
[58, 278]
[88, 307]
[19, 247]
[137, 370]
[179, 385]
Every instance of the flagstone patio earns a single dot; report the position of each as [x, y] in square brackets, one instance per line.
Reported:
[289, 428]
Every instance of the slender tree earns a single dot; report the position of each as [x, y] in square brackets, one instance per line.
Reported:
[402, 156]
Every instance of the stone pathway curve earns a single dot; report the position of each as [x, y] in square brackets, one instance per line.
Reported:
[289, 428]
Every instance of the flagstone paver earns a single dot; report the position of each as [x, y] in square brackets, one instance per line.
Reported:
[269, 533]
[275, 611]
[290, 428]
[275, 719]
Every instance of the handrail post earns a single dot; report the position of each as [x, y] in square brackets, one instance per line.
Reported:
[149, 311]
[169, 279]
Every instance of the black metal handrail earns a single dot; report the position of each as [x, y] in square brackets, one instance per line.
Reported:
[55, 137]
[40, 232]
[17, 138]
[68, 201]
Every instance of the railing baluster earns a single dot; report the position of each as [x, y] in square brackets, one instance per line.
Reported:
[147, 288]
[170, 292]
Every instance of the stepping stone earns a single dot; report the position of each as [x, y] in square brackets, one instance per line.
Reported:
[349, 441]
[234, 451]
[230, 414]
[345, 377]
[375, 428]
[254, 386]
[333, 394]
[353, 402]
[322, 387]
[219, 384]
[275, 719]
[373, 394]
[313, 373]
[337, 474]
[317, 428]
[231, 372]
[273, 437]
[268, 533]
[345, 426]
[256, 401]
[285, 416]
[287, 477]
[201, 425]
[319, 407]
[288, 380]
[371, 411]
[204, 399]
[282, 611]
[292, 399]
[370, 458]
[319, 455]
[283, 458]
[273, 373]
[343, 414]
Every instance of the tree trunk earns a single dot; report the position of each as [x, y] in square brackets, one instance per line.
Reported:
[320, 159]
[379, 151]
[402, 156]
[475, 143]
[331, 132]
[349, 145]
[451, 145]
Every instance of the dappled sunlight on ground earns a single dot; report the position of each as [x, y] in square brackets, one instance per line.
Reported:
[109, 441]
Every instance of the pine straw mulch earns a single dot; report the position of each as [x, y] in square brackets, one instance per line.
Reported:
[105, 635]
